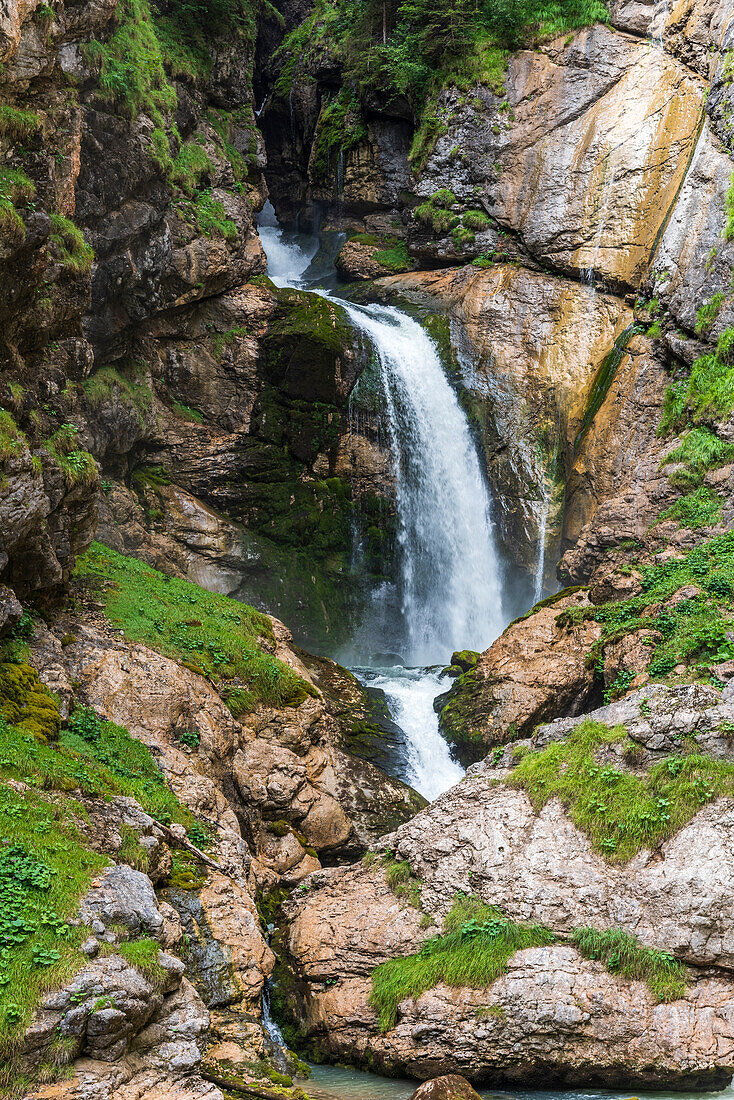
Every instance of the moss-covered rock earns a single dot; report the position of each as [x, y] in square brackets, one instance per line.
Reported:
[25, 702]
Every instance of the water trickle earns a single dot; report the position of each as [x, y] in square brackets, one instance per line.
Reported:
[542, 531]
[445, 594]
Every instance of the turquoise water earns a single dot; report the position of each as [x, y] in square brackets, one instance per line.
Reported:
[333, 1083]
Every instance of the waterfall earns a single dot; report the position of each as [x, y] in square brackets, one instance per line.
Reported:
[542, 529]
[448, 589]
[446, 593]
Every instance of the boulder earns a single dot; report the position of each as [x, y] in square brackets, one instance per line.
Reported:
[449, 1087]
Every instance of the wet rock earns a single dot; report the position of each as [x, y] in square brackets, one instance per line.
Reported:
[535, 670]
[449, 1087]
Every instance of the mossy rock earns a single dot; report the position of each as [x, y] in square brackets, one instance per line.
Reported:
[465, 659]
[305, 346]
[26, 703]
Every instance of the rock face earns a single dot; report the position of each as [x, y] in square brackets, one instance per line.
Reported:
[449, 1087]
[530, 346]
[534, 670]
[553, 1014]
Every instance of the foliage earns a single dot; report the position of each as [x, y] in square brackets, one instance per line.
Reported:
[15, 188]
[191, 167]
[619, 811]
[71, 248]
[18, 124]
[187, 413]
[208, 215]
[473, 950]
[221, 638]
[699, 451]
[622, 954]
[96, 757]
[707, 393]
[701, 508]
[395, 258]
[108, 384]
[706, 315]
[12, 439]
[77, 465]
[399, 876]
[619, 686]
[340, 128]
[45, 868]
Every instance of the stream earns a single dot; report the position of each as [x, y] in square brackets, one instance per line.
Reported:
[446, 592]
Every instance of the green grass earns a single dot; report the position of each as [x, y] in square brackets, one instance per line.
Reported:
[473, 951]
[707, 313]
[191, 167]
[700, 450]
[45, 868]
[219, 637]
[108, 384]
[77, 465]
[15, 188]
[143, 955]
[700, 508]
[622, 954]
[401, 880]
[96, 757]
[12, 439]
[20, 125]
[619, 811]
[69, 244]
[707, 393]
[476, 220]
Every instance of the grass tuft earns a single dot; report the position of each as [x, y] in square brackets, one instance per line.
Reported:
[619, 811]
[622, 954]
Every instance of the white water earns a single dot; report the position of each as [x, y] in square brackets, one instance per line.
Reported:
[447, 585]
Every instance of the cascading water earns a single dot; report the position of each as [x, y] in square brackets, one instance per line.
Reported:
[446, 593]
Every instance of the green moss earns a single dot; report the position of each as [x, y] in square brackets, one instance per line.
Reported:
[69, 244]
[340, 128]
[394, 259]
[619, 811]
[187, 872]
[401, 880]
[603, 379]
[224, 637]
[476, 220]
[473, 951]
[26, 703]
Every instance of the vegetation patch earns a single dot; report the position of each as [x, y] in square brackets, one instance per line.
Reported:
[17, 124]
[695, 631]
[68, 242]
[208, 215]
[400, 879]
[45, 869]
[12, 439]
[77, 465]
[394, 257]
[619, 811]
[15, 188]
[474, 949]
[622, 954]
[701, 508]
[700, 450]
[340, 128]
[708, 392]
[108, 384]
[219, 637]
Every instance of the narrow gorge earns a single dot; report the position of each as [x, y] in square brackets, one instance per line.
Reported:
[366, 549]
